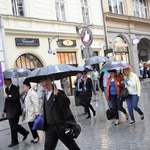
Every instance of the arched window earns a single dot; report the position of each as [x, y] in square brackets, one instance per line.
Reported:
[28, 61]
[120, 49]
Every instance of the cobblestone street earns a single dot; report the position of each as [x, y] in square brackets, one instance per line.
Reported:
[97, 133]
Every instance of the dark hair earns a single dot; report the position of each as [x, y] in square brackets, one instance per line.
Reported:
[27, 83]
[114, 70]
[8, 79]
[84, 72]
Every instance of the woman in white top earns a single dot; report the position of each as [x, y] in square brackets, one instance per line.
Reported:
[31, 109]
[132, 83]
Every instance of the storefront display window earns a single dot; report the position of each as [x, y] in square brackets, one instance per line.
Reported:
[70, 59]
[120, 49]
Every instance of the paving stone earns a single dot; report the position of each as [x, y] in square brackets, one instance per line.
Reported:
[97, 133]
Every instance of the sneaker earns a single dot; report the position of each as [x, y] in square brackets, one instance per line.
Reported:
[132, 122]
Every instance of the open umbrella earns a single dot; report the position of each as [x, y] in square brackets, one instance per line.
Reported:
[115, 65]
[55, 72]
[96, 60]
[85, 68]
[16, 73]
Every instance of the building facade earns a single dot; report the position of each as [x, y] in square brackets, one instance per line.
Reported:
[128, 30]
[39, 33]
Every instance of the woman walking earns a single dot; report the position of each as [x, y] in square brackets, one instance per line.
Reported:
[134, 88]
[31, 108]
[114, 85]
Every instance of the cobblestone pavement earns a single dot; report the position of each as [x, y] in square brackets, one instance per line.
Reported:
[97, 133]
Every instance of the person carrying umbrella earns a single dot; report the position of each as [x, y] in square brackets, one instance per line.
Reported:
[86, 93]
[114, 85]
[56, 111]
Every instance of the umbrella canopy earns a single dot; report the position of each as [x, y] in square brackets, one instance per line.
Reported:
[148, 62]
[55, 72]
[16, 73]
[96, 60]
[85, 68]
[115, 65]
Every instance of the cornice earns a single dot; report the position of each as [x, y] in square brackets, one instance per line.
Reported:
[125, 18]
[31, 19]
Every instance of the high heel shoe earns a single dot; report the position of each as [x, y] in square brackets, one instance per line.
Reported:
[35, 140]
[127, 116]
[117, 122]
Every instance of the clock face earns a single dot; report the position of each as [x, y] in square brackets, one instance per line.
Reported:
[135, 41]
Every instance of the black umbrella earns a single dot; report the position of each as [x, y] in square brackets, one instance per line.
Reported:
[96, 60]
[115, 65]
[55, 72]
[16, 73]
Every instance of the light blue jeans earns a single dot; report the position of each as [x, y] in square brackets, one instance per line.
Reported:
[132, 103]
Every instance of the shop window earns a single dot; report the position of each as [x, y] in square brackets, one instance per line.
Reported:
[85, 11]
[140, 8]
[17, 7]
[70, 59]
[116, 6]
[121, 49]
[143, 55]
[28, 61]
[60, 10]
[67, 58]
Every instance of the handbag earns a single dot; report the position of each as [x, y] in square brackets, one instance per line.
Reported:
[109, 114]
[124, 93]
[72, 129]
[38, 123]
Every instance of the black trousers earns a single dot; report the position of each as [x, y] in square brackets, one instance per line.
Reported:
[117, 104]
[88, 106]
[15, 127]
[55, 132]
[34, 132]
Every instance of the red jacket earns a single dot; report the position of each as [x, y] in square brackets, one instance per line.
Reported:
[117, 78]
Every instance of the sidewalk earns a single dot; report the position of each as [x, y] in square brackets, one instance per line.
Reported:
[97, 133]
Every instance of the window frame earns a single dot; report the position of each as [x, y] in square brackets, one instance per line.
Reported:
[119, 10]
[140, 9]
[60, 15]
[16, 8]
[85, 9]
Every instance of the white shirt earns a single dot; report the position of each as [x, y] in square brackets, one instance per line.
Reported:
[131, 88]
[48, 94]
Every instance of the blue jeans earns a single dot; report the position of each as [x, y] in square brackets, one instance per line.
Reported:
[109, 102]
[117, 104]
[132, 103]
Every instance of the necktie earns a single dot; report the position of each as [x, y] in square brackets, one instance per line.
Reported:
[47, 97]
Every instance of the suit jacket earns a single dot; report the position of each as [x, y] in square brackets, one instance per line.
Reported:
[58, 110]
[12, 106]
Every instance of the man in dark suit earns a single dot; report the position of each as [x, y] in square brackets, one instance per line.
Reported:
[56, 104]
[12, 108]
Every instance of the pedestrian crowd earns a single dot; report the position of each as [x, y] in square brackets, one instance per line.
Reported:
[53, 104]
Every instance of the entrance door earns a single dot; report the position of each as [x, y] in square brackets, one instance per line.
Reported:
[70, 59]
[143, 55]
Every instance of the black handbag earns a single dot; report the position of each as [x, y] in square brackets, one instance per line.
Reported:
[72, 129]
[124, 93]
[109, 114]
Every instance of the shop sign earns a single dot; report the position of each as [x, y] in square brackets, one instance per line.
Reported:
[27, 42]
[66, 43]
[86, 37]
